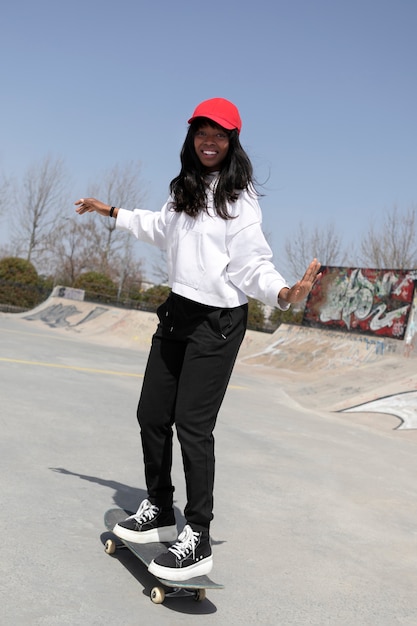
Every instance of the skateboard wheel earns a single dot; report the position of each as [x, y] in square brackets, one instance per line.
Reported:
[200, 595]
[110, 546]
[157, 595]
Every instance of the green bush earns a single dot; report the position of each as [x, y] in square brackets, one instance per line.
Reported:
[154, 296]
[20, 285]
[98, 287]
[290, 316]
[256, 315]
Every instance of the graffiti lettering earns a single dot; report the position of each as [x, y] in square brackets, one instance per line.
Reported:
[57, 315]
[361, 300]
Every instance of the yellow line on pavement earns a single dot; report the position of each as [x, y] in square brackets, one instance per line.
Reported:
[71, 367]
[75, 368]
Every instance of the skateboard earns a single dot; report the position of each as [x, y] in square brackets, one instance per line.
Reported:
[145, 552]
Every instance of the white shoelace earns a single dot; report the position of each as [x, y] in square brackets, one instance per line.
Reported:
[186, 542]
[145, 512]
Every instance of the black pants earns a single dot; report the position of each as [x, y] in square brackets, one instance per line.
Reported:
[191, 359]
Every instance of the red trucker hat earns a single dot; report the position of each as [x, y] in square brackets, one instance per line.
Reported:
[219, 110]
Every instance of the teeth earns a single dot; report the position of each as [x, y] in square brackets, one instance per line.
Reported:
[209, 153]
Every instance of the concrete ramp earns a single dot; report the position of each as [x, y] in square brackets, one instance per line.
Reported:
[317, 369]
[335, 371]
[94, 322]
[301, 348]
[108, 325]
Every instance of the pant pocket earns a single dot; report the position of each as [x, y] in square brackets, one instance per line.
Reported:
[165, 312]
[221, 322]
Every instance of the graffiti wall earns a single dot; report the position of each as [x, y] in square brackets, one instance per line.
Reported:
[370, 301]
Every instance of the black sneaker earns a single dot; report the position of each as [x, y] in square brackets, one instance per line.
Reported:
[190, 556]
[149, 524]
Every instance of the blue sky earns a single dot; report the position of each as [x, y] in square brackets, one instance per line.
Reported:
[327, 91]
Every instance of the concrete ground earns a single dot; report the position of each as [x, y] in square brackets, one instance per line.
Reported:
[315, 510]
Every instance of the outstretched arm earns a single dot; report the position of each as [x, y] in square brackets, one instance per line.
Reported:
[89, 205]
[302, 288]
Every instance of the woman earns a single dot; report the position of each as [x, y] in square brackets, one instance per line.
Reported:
[217, 255]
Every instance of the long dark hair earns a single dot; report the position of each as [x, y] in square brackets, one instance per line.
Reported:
[189, 188]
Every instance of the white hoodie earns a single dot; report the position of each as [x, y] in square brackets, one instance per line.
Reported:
[211, 260]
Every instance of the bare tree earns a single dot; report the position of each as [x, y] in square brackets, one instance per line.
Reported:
[39, 200]
[322, 243]
[93, 244]
[121, 187]
[5, 199]
[159, 268]
[128, 270]
[5, 188]
[391, 243]
[70, 250]
[65, 247]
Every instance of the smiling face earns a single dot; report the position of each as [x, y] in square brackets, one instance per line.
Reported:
[211, 144]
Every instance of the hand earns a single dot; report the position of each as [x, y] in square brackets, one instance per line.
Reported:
[89, 205]
[302, 288]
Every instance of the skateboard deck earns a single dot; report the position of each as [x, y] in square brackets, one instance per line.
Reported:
[145, 552]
